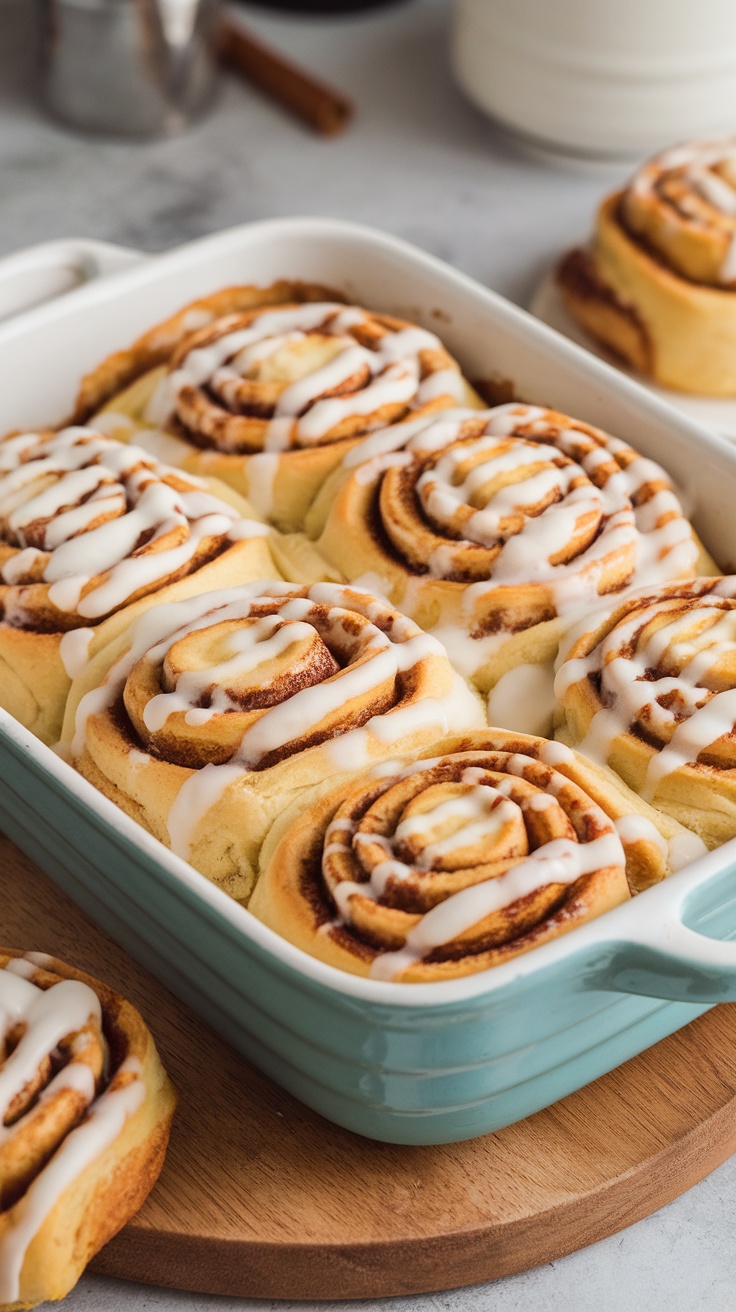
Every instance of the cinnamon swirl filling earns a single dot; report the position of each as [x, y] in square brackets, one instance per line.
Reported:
[300, 376]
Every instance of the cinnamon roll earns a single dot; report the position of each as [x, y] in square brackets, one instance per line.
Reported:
[649, 689]
[493, 528]
[86, 1112]
[270, 401]
[91, 529]
[132, 373]
[493, 845]
[213, 713]
[658, 285]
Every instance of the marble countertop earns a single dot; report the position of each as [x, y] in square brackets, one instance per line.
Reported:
[420, 162]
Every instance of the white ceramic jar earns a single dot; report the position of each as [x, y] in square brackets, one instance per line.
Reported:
[604, 78]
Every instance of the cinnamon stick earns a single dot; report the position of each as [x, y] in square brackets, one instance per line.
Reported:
[326, 110]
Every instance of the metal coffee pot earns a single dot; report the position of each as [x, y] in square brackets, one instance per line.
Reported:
[127, 67]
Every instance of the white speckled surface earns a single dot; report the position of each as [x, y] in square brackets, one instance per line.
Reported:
[422, 163]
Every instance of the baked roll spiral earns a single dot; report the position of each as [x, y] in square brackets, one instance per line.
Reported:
[271, 400]
[491, 529]
[658, 285]
[132, 373]
[495, 844]
[214, 713]
[86, 1109]
[91, 529]
[650, 689]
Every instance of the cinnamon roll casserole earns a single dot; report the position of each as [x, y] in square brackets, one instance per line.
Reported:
[317, 744]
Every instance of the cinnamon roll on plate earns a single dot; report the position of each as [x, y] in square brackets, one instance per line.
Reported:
[86, 1109]
[656, 286]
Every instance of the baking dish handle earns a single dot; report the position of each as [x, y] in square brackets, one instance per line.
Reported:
[44, 272]
[671, 961]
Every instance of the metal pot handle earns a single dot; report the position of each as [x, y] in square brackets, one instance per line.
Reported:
[54, 268]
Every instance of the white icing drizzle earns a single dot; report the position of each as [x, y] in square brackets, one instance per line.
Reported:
[656, 529]
[560, 861]
[49, 1016]
[467, 652]
[384, 441]
[371, 658]
[95, 511]
[706, 170]
[467, 826]
[683, 849]
[679, 851]
[533, 502]
[685, 714]
[388, 373]
[74, 650]
[524, 700]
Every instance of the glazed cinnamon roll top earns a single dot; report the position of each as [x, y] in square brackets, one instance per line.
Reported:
[300, 376]
[70, 1075]
[682, 204]
[88, 525]
[517, 496]
[662, 669]
[449, 866]
[229, 684]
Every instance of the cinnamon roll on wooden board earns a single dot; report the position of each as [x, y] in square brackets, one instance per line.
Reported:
[658, 285]
[210, 715]
[476, 851]
[86, 1112]
[650, 690]
[91, 534]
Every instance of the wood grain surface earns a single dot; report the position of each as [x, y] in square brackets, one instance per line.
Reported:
[261, 1197]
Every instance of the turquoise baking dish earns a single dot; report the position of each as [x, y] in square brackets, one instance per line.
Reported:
[414, 1064]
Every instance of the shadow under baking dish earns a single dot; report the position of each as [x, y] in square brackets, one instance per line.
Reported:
[414, 1064]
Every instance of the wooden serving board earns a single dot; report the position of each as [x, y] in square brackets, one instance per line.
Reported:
[261, 1197]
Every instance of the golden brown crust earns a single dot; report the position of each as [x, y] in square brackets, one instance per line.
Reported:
[617, 326]
[94, 1201]
[657, 287]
